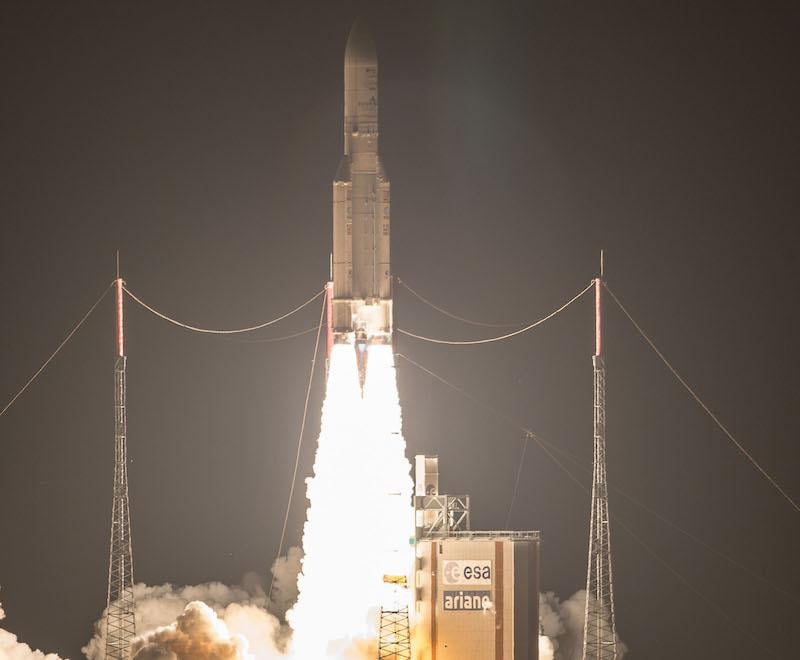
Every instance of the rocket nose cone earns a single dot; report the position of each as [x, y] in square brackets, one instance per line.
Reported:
[360, 44]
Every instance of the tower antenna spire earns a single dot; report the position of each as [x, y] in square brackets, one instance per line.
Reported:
[120, 621]
[599, 631]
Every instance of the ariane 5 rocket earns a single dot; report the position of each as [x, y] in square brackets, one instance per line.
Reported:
[360, 294]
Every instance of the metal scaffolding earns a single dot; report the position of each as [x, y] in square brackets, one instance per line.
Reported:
[120, 622]
[441, 515]
[394, 634]
[600, 637]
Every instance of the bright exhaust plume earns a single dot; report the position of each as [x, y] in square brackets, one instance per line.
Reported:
[360, 523]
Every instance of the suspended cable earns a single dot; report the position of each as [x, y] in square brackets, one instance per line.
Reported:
[530, 434]
[637, 502]
[453, 342]
[700, 402]
[525, 439]
[545, 446]
[510, 420]
[454, 316]
[222, 332]
[299, 445]
[265, 340]
[60, 346]
[675, 573]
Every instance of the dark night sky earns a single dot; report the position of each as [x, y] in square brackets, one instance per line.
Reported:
[200, 138]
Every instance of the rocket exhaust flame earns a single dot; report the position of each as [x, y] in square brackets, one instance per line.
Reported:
[360, 520]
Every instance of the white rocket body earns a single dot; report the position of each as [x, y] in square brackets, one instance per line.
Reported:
[360, 297]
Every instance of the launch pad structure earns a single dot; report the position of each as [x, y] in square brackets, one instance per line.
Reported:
[120, 606]
[394, 630]
[476, 592]
[600, 635]
[471, 595]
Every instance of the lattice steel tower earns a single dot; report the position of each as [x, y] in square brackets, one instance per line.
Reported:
[599, 630]
[120, 624]
[394, 633]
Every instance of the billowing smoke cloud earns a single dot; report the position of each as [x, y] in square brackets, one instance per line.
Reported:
[546, 648]
[284, 590]
[13, 649]
[360, 465]
[562, 627]
[197, 634]
[169, 619]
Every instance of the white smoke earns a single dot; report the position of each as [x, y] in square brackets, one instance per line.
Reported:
[12, 649]
[546, 648]
[562, 627]
[358, 528]
[240, 611]
[359, 520]
[359, 524]
[284, 590]
[197, 634]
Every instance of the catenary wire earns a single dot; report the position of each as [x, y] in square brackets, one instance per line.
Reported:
[265, 340]
[510, 420]
[525, 439]
[636, 502]
[222, 332]
[60, 346]
[700, 402]
[299, 446]
[453, 342]
[544, 444]
[441, 310]
[528, 433]
[675, 573]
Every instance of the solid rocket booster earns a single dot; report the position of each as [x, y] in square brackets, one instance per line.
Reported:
[360, 296]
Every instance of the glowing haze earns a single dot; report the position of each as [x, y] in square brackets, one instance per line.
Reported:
[359, 526]
[360, 520]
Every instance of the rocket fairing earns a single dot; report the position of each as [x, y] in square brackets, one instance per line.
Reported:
[360, 295]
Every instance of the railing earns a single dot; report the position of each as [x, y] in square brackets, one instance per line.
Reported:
[492, 534]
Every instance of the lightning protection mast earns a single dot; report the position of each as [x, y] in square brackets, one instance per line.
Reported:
[599, 630]
[120, 623]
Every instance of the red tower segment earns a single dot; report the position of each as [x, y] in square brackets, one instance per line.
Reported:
[598, 318]
[120, 335]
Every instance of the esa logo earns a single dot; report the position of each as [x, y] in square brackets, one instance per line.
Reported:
[470, 571]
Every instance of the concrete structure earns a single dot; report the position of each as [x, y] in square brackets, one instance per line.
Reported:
[476, 593]
[360, 294]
